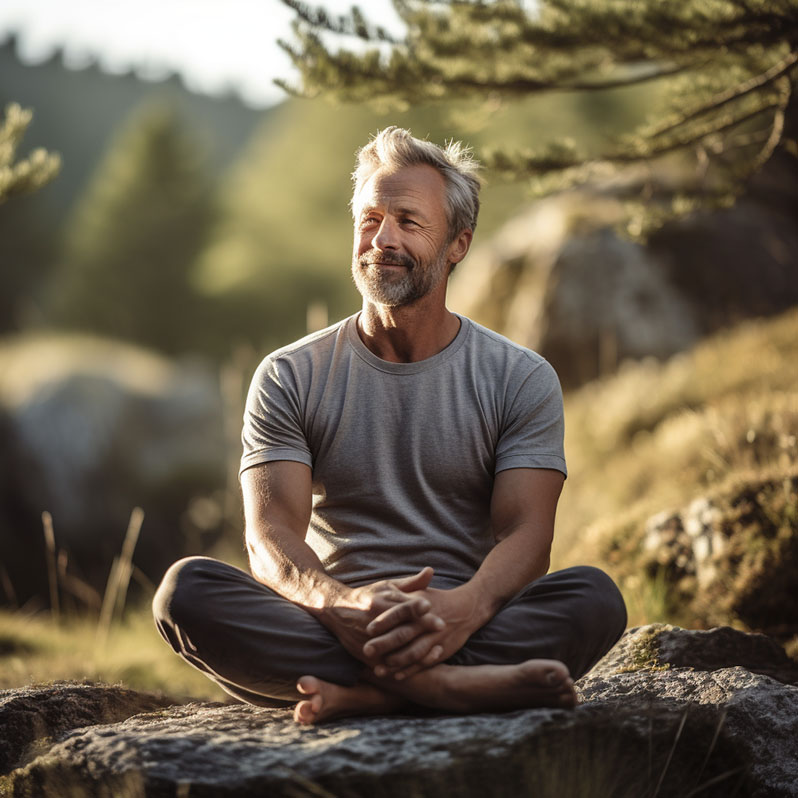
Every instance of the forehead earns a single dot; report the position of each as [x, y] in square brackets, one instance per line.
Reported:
[418, 187]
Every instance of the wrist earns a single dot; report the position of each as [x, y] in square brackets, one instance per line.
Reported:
[329, 596]
[480, 607]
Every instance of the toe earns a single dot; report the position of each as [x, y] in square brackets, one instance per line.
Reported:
[303, 712]
[307, 685]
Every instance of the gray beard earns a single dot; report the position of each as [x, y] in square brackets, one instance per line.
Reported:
[403, 289]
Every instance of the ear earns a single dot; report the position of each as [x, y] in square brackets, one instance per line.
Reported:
[458, 249]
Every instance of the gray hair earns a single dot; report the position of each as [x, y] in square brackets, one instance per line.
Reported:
[395, 148]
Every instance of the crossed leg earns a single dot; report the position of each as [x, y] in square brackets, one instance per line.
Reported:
[267, 651]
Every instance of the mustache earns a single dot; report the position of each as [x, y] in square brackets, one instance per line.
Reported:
[391, 258]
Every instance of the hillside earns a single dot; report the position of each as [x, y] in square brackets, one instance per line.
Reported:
[717, 425]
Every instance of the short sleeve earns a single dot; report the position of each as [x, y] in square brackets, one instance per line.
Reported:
[273, 427]
[533, 428]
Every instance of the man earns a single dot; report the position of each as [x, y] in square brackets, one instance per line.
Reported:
[400, 476]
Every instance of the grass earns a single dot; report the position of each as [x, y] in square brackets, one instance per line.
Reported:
[120, 647]
[37, 649]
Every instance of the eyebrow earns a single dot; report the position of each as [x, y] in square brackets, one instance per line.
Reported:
[404, 211]
[411, 212]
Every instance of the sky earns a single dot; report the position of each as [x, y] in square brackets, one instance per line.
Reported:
[214, 44]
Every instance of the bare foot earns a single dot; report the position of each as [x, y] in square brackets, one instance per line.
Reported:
[486, 688]
[328, 701]
[451, 688]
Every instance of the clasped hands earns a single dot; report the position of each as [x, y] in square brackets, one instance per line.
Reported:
[401, 626]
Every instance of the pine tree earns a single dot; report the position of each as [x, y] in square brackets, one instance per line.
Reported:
[132, 242]
[29, 173]
[726, 68]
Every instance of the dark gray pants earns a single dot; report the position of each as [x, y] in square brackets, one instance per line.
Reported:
[255, 644]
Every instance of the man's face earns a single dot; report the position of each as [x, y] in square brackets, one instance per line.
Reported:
[401, 250]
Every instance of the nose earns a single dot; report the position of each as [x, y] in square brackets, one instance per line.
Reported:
[386, 236]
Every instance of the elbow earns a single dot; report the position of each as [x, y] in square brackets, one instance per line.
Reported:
[252, 547]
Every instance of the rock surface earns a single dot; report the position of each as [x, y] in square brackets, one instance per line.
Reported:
[31, 716]
[665, 713]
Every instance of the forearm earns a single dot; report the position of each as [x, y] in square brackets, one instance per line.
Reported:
[287, 565]
[523, 508]
[515, 561]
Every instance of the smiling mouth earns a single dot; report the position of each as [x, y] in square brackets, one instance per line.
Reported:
[386, 260]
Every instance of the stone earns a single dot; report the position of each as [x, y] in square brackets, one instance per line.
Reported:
[92, 428]
[668, 712]
[32, 716]
[559, 279]
[727, 558]
[744, 682]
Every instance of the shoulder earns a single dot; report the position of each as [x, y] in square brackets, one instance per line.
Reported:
[495, 350]
[306, 351]
[313, 342]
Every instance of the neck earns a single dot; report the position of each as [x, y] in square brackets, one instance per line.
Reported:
[406, 334]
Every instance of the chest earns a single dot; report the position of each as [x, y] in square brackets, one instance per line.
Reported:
[430, 432]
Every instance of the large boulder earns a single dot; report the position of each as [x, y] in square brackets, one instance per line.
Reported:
[558, 279]
[92, 428]
[667, 713]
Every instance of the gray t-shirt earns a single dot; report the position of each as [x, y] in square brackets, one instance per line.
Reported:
[403, 454]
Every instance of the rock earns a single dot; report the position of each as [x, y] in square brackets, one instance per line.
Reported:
[757, 714]
[558, 279]
[95, 428]
[665, 713]
[660, 645]
[730, 557]
[32, 716]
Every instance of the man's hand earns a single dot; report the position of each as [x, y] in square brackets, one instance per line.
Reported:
[403, 602]
[402, 649]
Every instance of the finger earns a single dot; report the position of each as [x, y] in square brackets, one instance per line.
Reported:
[433, 658]
[414, 652]
[419, 581]
[399, 636]
[408, 611]
[406, 673]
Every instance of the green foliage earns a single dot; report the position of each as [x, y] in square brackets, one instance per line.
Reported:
[134, 237]
[726, 69]
[29, 173]
[26, 243]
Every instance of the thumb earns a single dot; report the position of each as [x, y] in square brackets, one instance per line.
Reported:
[419, 581]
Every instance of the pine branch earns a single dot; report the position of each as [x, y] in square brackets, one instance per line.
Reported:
[27, 174]
[732, 94]
[730, 52]
[776, 131]
[521, 85]
[352, 24]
